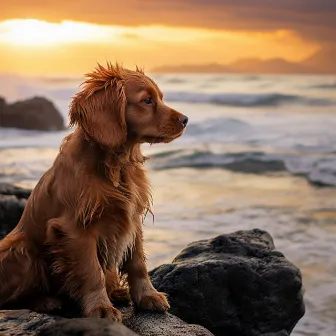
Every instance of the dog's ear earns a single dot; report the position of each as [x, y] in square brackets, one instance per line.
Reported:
[100, 112]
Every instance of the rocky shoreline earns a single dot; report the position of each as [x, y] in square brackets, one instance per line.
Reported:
[233, 284]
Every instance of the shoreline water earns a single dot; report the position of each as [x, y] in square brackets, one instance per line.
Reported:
[235, 168]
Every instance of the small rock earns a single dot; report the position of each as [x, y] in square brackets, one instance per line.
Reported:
[12, 203]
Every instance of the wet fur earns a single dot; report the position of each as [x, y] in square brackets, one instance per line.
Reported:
[82, 224]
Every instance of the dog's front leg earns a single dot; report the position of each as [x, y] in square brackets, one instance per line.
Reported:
[76, 265]
[144, 295]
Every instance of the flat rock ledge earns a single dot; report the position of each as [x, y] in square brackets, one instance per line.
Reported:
[28, 323]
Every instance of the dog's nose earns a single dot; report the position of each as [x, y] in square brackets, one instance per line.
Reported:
[184, 120]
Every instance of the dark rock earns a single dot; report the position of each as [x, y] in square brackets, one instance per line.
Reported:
[11, 190]
[11, 210]
[85, 327]
[33, 114]
[25, 322]
[234, 284]
[12, 203]
[158, 324]
[3, 106]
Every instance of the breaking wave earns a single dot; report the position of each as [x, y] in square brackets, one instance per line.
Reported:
[245, 100]
[318, 171]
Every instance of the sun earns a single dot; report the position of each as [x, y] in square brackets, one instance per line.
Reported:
[32, 32]
[35, 33]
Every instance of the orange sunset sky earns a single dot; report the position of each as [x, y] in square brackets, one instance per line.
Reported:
[42, 37]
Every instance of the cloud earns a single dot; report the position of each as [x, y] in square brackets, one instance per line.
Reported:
[313, 20]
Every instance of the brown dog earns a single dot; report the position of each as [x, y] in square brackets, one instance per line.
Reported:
[83, 221]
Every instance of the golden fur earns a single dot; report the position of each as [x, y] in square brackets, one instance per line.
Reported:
[82, 224]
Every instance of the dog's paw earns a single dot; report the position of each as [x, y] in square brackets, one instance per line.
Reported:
[110, 313]
[120, 295]
[154, 301]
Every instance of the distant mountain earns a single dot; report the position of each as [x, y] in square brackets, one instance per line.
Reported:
[255, 65]
[201, 68]
[322, 62]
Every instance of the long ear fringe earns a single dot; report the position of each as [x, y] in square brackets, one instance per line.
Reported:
[91, 108]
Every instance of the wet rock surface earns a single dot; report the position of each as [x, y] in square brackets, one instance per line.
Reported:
[234, 284]
[25, 322]
[37, 113]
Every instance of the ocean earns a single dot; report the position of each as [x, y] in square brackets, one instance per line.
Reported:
[258, 152]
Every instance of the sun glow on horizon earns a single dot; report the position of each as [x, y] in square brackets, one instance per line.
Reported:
[31, 32]
[30, 45]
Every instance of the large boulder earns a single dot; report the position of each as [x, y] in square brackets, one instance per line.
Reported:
[25, 322]
[33, 114]
[234, 284]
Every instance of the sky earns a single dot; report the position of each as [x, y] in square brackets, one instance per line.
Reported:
[70, 36]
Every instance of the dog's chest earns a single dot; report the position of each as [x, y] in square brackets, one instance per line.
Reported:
[136, 188]
[117, 237]
[113, 250]
[121, 220]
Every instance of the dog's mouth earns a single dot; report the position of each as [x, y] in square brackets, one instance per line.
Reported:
[156, 140]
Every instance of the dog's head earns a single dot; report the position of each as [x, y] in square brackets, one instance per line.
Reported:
[118, 105]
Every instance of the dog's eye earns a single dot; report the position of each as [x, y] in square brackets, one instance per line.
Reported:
[148, 101]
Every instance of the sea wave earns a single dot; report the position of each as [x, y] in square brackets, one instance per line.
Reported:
[228, 99]
[318, 171]
[325, 86]
[62, 89]
[176, 80]
[217, 127]
[245, 100]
